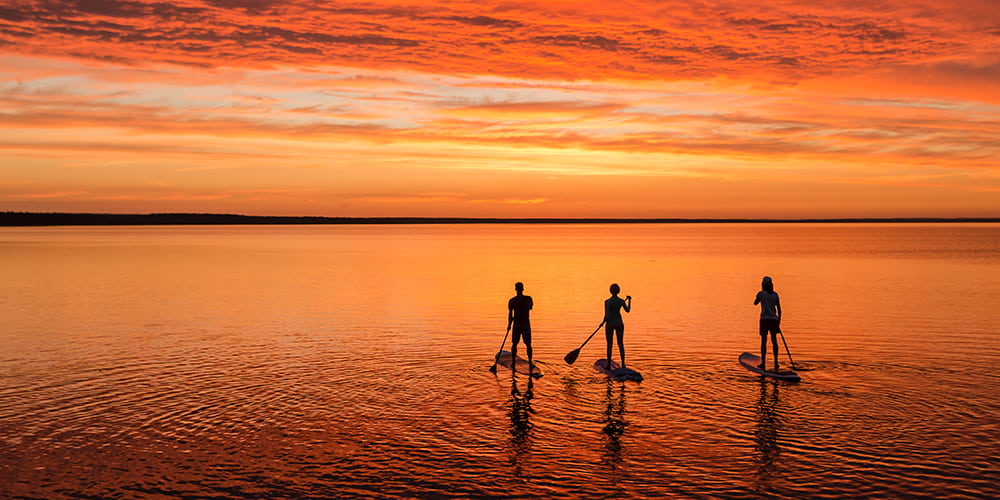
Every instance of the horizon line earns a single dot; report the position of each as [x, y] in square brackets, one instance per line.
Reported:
[11, 218]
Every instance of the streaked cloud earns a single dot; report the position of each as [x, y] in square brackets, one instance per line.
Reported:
[265, 100]
[670, 40]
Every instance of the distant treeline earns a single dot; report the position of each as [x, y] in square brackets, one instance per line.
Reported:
[81, 219]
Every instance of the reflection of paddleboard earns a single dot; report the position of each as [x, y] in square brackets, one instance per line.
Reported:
[750, 362]
[617, 372]
[521, 364]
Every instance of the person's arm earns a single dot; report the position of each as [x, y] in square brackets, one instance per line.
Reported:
[777, 306]
[756, 299]
[628, 303]
[510, 316]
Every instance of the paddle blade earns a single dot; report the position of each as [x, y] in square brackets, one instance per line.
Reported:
[496, 360]
[571, 356]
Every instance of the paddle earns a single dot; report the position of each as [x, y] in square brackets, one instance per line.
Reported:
[571, 356]
[786, 349]
[496, 359]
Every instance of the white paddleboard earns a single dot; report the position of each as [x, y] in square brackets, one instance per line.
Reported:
[520, 365]
[751, 362]
[617, 372]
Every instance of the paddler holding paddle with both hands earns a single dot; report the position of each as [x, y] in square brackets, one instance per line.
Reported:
[614, 325]
[770, 320]
[518, 322]
[613, 322]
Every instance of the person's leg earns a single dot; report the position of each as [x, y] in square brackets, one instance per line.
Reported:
[527, 347]
[621, 343]
[763, 352]
[774, 347]
[609, 333]
[515, 338]
[763, 345]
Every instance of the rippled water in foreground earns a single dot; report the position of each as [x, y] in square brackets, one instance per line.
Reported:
[352, 361]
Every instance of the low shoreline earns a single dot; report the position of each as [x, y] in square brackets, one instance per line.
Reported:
[13, 219]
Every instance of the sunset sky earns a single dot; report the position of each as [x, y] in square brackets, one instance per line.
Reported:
[519, 108]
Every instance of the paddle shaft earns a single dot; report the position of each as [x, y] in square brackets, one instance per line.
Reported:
[571, 356]
[496, 359]
[591, 335]
[786, 349]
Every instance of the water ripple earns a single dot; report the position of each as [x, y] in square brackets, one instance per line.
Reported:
[244, 371]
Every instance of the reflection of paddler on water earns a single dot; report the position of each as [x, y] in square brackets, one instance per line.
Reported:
[765, 435]
[520, 422]
[614, 423]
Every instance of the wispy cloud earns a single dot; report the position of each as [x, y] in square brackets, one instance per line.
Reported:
[662, 40]
[357, 97]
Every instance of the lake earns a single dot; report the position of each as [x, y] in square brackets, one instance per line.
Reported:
[353, 361]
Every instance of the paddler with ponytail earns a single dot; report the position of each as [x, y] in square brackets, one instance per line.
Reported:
[770, 320]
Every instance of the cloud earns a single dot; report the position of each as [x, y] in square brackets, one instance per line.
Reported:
[370, 108]
[989, 72]
[533, 201]
[530, 110]
[663, 40]
[46, 195]
[837, 91]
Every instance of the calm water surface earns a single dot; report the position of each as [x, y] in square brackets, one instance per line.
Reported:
[333, 361]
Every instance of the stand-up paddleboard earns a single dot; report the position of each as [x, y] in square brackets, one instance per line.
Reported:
[617, 372]
[520, 365]
[751, 362]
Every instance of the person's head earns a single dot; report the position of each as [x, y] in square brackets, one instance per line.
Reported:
[615, 289]
[518, 287]
[766, 284]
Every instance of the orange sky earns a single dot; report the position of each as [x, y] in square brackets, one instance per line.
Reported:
[502, 109]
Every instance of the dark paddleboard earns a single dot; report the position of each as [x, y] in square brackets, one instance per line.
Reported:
[751, 362]
[520, 365]
[617, 372]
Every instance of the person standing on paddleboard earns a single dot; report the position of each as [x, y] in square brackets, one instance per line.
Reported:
[613, 322]
[770, 320]
[519, 324]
